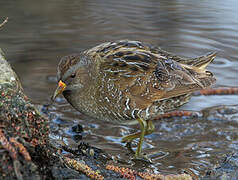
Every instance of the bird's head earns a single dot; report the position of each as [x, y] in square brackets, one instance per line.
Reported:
[70, 73]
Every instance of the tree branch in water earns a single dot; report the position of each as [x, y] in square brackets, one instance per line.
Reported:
[4, 22]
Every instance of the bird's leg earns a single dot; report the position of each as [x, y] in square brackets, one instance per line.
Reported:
[149, 130]
[150, 127]
[143, 127]
[147, 127]
[130, 137]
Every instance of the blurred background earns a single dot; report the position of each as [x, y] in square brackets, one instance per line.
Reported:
[39, 33]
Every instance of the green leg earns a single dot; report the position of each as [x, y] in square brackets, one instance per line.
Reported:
[150, 128]
[143, 127]
[130, 137]
[147, 127]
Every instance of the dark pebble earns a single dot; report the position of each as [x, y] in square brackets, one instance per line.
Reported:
[77, 128]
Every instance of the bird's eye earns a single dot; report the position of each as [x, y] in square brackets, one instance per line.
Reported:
[73, 75]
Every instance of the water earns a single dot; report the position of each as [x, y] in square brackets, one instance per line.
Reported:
[39, 33]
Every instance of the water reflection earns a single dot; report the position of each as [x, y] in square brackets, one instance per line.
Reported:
[39, 33]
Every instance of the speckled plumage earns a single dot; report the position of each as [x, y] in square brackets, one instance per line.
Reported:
[123, 80]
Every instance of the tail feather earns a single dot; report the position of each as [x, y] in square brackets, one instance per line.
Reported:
[202, 61]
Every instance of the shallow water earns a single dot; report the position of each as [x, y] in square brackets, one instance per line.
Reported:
[39, 33]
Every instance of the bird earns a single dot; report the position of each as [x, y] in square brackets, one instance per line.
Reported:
[129, 82]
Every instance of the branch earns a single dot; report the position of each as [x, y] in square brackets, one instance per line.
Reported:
[4, 22]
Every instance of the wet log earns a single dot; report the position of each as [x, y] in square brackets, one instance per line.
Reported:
[23, 131]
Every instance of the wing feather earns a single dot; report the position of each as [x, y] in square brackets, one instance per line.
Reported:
[147, 74]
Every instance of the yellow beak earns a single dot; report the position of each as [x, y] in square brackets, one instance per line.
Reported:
[59, 89]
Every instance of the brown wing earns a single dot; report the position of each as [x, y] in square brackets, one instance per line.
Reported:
[143, 75]
[177, 78]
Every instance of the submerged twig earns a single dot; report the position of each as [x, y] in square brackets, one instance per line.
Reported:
[4, 22]
[217, 91]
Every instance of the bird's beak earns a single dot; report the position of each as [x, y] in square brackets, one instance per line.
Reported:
[59, 89]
